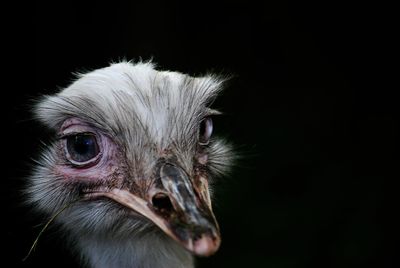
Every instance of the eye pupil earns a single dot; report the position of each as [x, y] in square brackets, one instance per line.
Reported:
[82, 147]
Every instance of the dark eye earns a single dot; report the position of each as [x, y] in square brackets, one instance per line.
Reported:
[206, 128]
[82, 147]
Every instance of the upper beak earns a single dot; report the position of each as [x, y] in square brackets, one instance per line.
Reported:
[179, 206]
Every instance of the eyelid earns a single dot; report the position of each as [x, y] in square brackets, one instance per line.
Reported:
[212, 112]
[67, 135]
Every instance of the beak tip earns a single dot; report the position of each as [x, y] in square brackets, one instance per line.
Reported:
[206, 246]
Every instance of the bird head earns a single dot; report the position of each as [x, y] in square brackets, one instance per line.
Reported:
[134, 146]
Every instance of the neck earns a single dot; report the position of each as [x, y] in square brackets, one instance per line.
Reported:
[152, 250]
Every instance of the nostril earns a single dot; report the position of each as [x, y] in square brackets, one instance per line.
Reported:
[162, 202]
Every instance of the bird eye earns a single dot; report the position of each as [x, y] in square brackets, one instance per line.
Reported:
[81, 147]
[206, 128]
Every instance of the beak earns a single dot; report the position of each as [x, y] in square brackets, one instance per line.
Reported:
[179, 206]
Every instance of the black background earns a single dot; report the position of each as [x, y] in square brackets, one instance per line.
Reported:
[310, 109]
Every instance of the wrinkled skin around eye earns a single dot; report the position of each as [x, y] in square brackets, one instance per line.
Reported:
[86, 154]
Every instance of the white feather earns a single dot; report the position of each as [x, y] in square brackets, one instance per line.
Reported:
[141, 108]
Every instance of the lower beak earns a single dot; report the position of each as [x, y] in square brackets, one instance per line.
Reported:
[182, 209]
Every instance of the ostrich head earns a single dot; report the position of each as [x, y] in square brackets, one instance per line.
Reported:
[132, 160]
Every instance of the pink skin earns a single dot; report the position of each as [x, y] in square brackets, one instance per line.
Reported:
[202, 159]
[103, 167]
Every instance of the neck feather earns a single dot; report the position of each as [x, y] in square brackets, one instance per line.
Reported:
[152, 250]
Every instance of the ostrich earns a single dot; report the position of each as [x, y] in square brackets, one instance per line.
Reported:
[129, 171]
